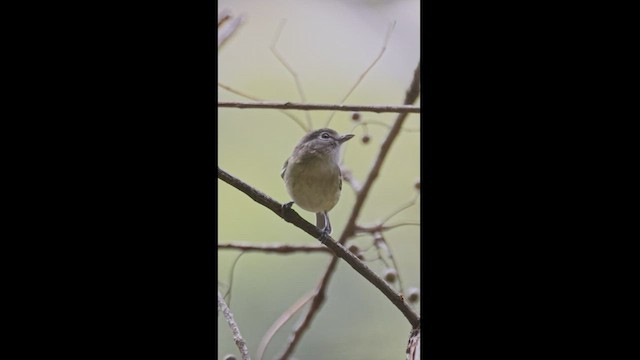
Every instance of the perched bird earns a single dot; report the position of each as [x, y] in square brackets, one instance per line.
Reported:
[312, 174]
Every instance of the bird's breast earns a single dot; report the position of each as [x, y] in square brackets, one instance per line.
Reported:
[314, 185]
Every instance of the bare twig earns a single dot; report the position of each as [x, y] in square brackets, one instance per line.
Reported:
[223, 15]
[275, 52]
[237, 338]
[309, 107]
[380, 123]
[281, 321]
[233, 271]
[384, 228]
[384, 47]
[381, 243]
[359, 229]
[227, 26]
[238, 92]
[274, 248]
[402, 208]
[411, 96]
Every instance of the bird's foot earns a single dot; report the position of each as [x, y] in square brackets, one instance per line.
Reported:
[285, 207]
[325, 235]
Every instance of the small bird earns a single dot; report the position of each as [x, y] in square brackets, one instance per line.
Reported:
[312, 174]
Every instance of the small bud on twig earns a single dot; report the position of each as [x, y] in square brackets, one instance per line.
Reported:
[390, 275]
[414, 295]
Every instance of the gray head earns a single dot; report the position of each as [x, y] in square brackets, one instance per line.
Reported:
[322, 141]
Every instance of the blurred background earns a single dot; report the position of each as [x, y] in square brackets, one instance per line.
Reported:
[329, 44]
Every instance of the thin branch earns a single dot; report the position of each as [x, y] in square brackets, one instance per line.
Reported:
[359, 229]
[227, 26]
[384, 48]
[307, 106]
[304, 322]
[275, 52]
[275, 248]
[281, 321]
[375, 61]
[233, 271]
[410, 98]
[237, 338]
[402, 208]
[381, 243]
[238, 92]
[411, 95]
[380, 123]
[223, 15]
[384, 228]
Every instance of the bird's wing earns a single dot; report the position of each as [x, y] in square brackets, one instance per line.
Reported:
[284, 168]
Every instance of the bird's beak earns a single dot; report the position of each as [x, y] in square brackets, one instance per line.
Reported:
[346, 137]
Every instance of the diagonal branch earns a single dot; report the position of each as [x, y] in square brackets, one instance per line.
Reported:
[411, 96]
[337, 247]
[291, 216]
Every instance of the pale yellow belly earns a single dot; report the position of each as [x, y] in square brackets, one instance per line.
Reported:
[315, 188]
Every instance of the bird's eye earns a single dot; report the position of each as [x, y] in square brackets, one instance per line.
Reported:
[325, 135]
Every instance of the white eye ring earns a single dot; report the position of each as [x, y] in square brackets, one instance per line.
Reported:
[325, 135]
